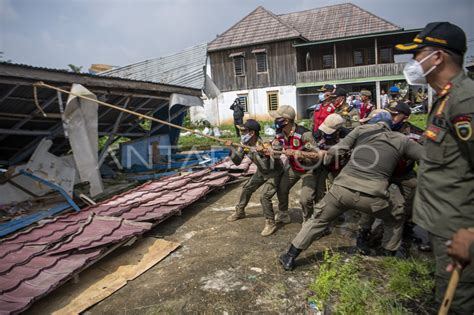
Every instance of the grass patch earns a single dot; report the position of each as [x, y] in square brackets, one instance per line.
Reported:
[418, 120]
[358, 285]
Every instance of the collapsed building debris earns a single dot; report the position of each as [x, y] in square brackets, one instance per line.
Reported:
[35, 261]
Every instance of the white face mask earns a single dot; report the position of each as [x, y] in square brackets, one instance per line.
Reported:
[414, 73]
[245, 138]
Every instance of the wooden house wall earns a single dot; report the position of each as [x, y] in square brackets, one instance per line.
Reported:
[281, 62]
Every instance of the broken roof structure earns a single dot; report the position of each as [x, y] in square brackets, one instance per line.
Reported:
[331, 22]
[35, 261]
[185, 68]
[21, 117]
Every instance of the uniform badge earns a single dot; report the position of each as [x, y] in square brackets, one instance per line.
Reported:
[435, 133]
[463, 130]
[296, 143]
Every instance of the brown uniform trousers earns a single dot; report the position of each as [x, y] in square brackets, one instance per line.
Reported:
[341, 199]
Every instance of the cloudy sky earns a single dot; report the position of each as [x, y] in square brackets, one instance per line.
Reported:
[54, 33]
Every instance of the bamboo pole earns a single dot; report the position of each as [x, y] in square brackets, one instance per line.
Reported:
[288, 152]
[42, 84]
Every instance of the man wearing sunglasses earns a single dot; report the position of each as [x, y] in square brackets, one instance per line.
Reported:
[444, 201]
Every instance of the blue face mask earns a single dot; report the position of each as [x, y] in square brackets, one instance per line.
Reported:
[280, 123]
[322, 97]
[245, 138]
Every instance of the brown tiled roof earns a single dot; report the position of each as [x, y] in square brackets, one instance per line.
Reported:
[331, 22]
[259, 26]
[336, 21]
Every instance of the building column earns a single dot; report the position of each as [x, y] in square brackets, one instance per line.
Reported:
[377, 94]
[376, 52]
[335, 56]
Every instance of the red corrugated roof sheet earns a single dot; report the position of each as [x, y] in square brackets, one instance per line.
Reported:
[35, 261]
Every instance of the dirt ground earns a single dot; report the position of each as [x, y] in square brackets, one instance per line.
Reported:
[225, 267]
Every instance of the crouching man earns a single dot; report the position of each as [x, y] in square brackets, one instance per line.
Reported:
[362, 184]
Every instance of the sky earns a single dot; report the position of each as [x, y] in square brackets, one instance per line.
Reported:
[55, 33]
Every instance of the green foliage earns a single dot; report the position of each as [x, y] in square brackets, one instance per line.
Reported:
[74, 68]
[409, 278]
[353, 285]
[418, 120]
[145, 124]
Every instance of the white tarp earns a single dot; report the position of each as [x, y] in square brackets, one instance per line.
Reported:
[81, 124]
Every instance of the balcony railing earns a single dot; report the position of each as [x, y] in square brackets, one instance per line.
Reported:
[328, 75]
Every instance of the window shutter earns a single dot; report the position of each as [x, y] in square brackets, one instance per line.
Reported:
[272, 99]
[239, 65]
[261, 62]
[243, 100]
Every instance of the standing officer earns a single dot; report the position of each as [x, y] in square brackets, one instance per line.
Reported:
[326, 108]
[366, 107]
[444, 201]
[238, 115]
[269, 171]
[290, 136]
[362, 184]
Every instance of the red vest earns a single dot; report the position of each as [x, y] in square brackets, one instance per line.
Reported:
[320, 115]
[365, 109]
[294, 142]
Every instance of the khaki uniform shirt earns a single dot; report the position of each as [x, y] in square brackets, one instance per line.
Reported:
[444, 201]
[267, 166]
[373, 158]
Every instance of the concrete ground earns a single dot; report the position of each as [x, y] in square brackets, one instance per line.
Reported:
[225, 266]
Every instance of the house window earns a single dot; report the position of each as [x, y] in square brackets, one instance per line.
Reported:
[386, 55]
[328, 61]
[239, 65]
[358, 57]
[244, 101]
[371, 56]
[261, 62]
[272, 100]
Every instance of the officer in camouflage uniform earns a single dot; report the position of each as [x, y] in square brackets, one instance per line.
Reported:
[444, 200]
[269, 171]
[362, 184]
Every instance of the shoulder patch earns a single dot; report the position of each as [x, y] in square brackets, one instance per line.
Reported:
[463, 130]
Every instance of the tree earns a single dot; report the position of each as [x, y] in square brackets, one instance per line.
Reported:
[2, 59]
[74, 68]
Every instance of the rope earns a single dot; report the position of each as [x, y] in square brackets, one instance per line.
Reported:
[42, 84]
[35, 95]
[288, 152]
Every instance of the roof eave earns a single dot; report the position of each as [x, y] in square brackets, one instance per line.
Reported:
[340, 39]
[210, 50]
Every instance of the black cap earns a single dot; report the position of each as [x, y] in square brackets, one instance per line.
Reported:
[438, 34]
[340, 91]
[326, 87]
[251, 124]
[399, 107]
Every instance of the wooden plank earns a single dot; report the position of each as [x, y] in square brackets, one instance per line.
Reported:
[106, 277]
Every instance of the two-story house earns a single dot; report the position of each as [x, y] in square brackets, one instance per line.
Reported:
[268, 60]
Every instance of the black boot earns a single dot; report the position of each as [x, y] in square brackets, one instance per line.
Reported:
[362, 242]
[288, 259]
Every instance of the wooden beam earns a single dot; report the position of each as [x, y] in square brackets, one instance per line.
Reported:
[4, 97]
[46, 133]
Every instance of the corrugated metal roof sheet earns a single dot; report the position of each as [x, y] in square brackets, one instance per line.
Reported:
[36, 261]
[185, 68]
